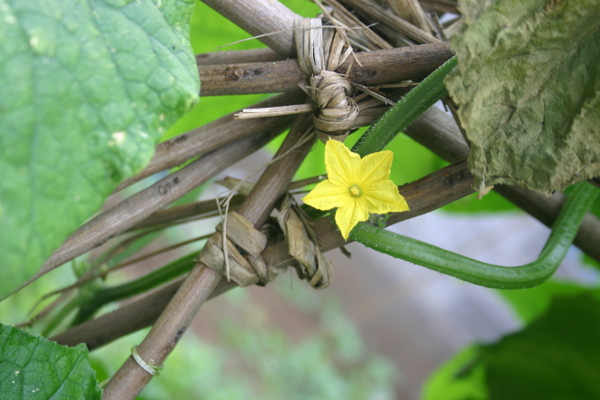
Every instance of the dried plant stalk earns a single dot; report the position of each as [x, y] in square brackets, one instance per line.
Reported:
[377, 67]
[139, 206]
[411, 11]
[425, 195]
[258, 17]
[379, 14]
[130, 379]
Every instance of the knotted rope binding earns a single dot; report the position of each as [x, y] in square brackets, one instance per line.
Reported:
[319, 54]
[245, 245]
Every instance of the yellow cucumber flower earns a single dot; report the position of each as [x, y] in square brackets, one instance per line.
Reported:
[356, 186]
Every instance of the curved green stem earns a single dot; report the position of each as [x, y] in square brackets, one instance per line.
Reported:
[137, 286]
[61, 316]
[415, 103]
[495, 276]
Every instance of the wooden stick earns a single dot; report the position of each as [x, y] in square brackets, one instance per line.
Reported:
[378, 67]
[238, 56]
[130, 379]
[258, 17]
[411, 11]
[139, 206]
[379, 14]
[184, 212]
[431, 192]
[441, 6]
[213, 135]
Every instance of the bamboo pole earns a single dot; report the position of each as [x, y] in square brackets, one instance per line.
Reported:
[424, 195]
[377, 67]
[144, 203]
[377, 13]
[238, 56]
[213, 135]
[258, 17]
[130, 379]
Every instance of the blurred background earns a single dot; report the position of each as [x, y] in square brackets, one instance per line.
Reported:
[382, 327]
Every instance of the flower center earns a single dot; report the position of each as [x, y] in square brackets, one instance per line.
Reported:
[354, 191]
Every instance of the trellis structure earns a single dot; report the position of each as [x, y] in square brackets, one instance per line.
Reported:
[393, 51]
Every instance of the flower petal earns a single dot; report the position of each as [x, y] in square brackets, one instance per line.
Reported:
[350, 214]
[383, 197]
[376, 167]
[342, 165]
[327, 195]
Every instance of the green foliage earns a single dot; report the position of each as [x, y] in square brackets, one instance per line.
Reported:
[458, 379]
[528, 90]
[556, 357]
[32, 367]
[530, 304]
[87, 88]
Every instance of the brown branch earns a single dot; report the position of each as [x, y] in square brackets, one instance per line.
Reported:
[438, 132]
[238, 56]
[185, 211]
[130, 379]
[378, 67]
[144, 203]
[258, 17]
[378, 14]
[425, 195]
[441, 6]
[213, 135]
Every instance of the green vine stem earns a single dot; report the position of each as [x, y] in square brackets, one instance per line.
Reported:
[397, 118]
[494, 276]
[137, 286]
[415, 103]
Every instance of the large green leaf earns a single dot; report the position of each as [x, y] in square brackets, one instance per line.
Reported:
[32, 367]
[86, 89]
[555, 357]
[528, 90]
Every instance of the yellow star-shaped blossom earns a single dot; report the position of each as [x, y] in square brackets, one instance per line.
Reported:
[356, 186]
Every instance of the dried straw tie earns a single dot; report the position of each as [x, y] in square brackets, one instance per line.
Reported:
[245, 245]
[319, 54]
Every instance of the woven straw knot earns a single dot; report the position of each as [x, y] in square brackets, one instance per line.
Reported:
[319, 53]
[337, 110]
[245, 244]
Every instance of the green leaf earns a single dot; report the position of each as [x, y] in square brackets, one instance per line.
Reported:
[555, 357]
[460, 378]
[528, 90]
[86, 90]
[531, 303]
[32, 367]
